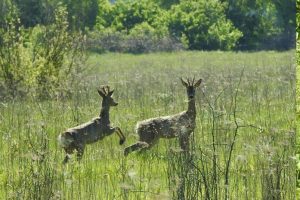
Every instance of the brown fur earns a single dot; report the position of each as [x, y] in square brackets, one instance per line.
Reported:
[77, 137]
[180, 125]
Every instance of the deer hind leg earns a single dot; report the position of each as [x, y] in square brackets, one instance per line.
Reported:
[69, 150]
[141, 145]
[150, 144]
[184, 142]
[66, 159]
[134, 147]
[80, 151]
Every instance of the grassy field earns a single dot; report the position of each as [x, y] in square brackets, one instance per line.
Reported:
[242, 148]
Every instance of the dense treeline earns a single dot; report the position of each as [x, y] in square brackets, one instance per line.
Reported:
[196, 24]
[45, 37]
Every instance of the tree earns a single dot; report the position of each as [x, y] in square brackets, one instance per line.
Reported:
[33, 12]
[82, 13]
[264, 23]
[203, 25]
[105, 15]
[5, 7]
[127, 14]
[167, 4]
[286, 15]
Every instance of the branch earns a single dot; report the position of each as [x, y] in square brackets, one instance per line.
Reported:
[234, 136]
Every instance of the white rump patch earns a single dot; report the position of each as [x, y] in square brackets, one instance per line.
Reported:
[63, 141]
[183, 130]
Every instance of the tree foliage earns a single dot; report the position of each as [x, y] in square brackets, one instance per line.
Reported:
[265, 24]
[214, 24]
[124, 15]
[167, 4]
[198, 24]
[298, 21]
[33, 12]
[203, 24]
[286, 14]
[82, 13]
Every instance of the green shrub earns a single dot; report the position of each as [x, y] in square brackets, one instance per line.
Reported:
[142, 38]
[105, 40]
[13, 55]
[40, 60]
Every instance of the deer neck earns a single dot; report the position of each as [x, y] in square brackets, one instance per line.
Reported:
[104, 113]
[191, 108]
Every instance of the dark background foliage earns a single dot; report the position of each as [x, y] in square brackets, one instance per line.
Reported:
[243, 24]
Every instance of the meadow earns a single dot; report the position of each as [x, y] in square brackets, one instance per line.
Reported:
[243, 146]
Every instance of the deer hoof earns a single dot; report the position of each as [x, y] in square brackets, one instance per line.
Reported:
[122, 141]
[126, 152]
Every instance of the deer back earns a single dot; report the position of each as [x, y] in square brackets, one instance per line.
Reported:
[91, 131]
[166, 127]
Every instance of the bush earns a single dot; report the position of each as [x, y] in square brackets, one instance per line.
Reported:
[13, 55]
[142, 38]
[106, 40]
[40, 60]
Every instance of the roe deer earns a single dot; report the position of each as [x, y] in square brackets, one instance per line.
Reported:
[77, 137]
[179, 125]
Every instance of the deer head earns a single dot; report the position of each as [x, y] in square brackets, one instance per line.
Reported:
[106, 94]
[191, 86]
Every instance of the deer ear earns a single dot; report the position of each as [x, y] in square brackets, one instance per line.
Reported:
[101, 93]
[198, 83]
[110, 93]
[183, 82]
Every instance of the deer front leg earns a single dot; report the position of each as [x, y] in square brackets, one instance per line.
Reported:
[120, 134]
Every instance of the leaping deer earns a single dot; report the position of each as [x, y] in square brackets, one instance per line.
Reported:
[77, 137]
[180, 125]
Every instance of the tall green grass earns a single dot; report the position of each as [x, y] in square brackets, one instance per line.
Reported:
[252, 123]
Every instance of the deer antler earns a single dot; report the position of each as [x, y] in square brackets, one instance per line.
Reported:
[108, 89]
[193, 81]
[188, 80]
[102, 88]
